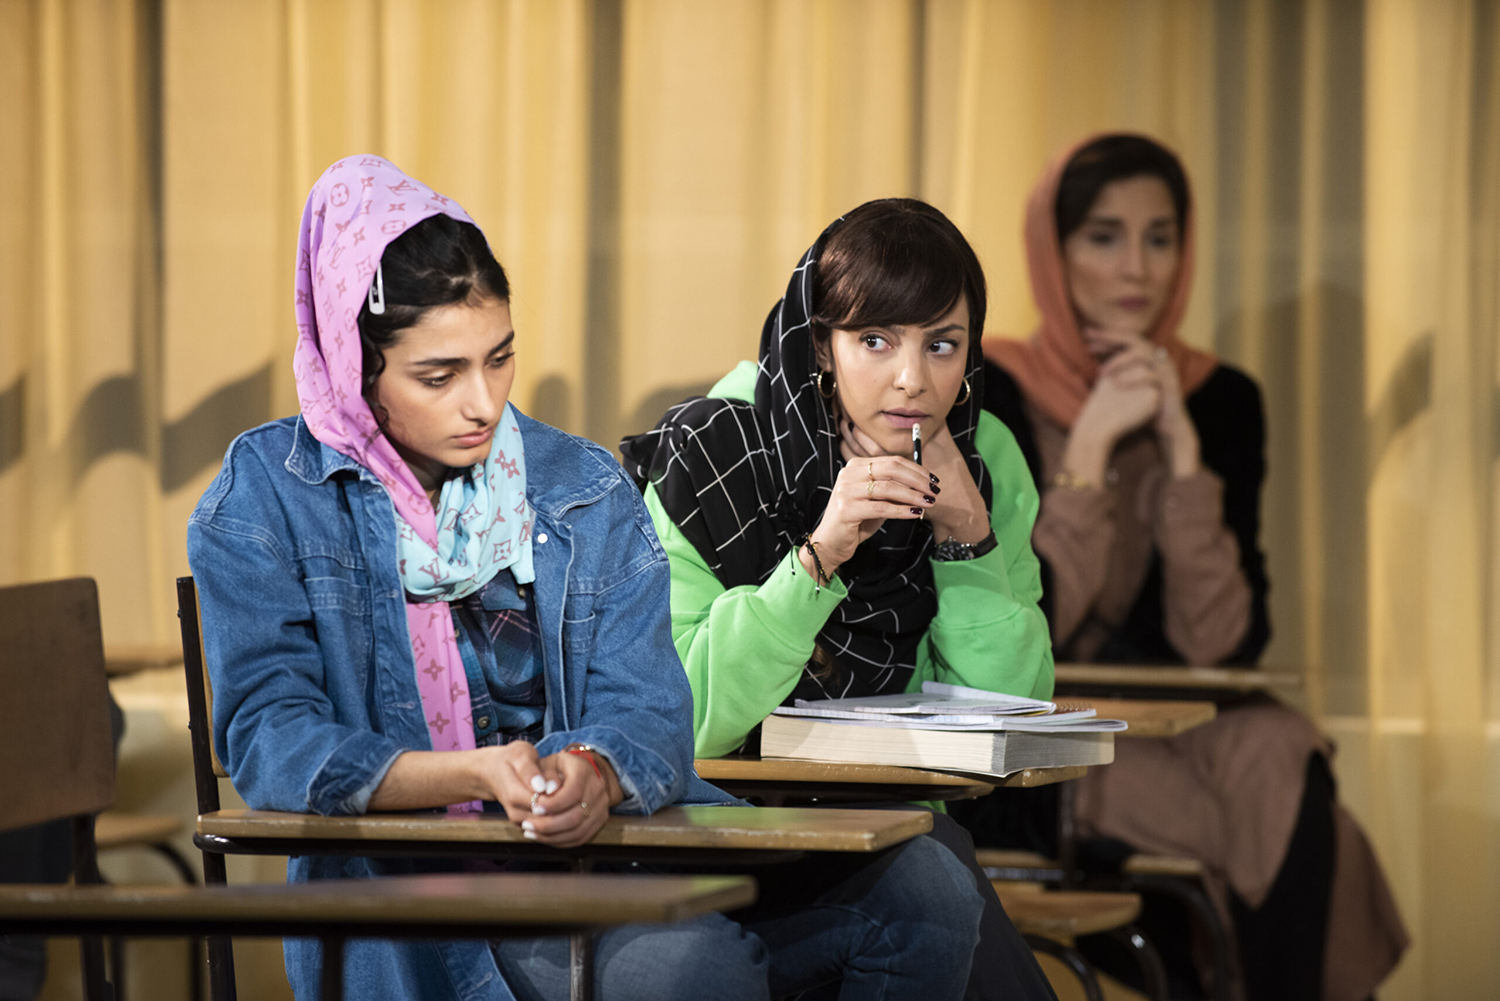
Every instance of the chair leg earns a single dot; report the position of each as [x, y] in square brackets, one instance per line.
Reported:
[581, 951]
[1073, 960]
[86, 873]
[95, 985]
[1202, 910]
[220, 947]
[581, 966]
[173, 856]
[333, 968]
[1152, 972]
[117, 965]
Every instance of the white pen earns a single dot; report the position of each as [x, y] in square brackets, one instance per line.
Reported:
[916, 444]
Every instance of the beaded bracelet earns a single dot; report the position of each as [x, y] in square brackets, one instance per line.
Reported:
[822, 576]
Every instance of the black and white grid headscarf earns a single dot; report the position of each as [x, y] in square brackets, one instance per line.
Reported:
[746, 481]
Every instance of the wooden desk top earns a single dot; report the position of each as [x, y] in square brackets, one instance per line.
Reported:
[677, 827]
[767, 770]
[1147, 717]
[449, 900]
[1208, 678]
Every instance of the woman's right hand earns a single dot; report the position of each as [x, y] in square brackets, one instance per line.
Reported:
[509, 774]
[856, 508]
[1126, 396]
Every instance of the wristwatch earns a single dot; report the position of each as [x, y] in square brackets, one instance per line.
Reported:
[953, 550]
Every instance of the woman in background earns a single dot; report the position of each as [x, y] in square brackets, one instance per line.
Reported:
[811, 556]
[1150, 458]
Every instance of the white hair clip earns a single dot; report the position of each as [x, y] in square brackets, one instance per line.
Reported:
[377, 292]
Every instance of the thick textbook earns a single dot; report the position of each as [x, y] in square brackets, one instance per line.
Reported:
[982, 752]
[943, 728]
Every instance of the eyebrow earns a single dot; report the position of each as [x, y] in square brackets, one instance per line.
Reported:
[1109, 220]
[505, 342]
[955, 328]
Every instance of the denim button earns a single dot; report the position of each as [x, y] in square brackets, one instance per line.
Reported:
[484, 721]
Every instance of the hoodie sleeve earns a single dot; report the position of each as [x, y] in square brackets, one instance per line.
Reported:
[989, 631]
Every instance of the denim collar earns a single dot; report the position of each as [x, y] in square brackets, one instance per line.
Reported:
[569, 472]
[312, 461]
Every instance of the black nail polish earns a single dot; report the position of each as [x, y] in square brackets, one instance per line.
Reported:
[929, 498]
[917, 511]
[936, 489]
[934, 478]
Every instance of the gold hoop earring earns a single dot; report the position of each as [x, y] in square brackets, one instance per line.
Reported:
[967, 393]
[833, 386]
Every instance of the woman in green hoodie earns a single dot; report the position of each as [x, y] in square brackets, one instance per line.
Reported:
[811, 556]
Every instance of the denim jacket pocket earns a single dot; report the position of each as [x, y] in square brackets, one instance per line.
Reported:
[339, 596]
[579, 622]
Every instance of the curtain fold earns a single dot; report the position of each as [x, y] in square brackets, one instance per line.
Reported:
[649, 170]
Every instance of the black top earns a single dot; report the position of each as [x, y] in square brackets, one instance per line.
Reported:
[1231, 425]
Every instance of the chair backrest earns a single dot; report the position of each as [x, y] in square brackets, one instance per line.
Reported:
[206, 767]
[57, 755]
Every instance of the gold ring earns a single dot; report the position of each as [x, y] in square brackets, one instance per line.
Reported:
[582, 805]
[534, 797]
[870, 490]
[871, 467]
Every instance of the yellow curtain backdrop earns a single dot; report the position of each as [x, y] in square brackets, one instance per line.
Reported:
[649, 171]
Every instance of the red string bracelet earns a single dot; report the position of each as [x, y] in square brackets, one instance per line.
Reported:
[587, 753]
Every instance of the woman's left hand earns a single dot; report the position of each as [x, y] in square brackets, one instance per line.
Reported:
[959, 512]
[1173, 425]
[580, 804]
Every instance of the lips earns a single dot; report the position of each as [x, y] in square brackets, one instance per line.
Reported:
[1133, 303]
[475, 439]
[904, 418]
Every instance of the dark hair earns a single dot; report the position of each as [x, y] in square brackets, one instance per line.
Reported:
[438, 262]
[1115, 158]
[895, 261]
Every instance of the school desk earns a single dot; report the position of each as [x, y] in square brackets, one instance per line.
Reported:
[456, 905]
[775, 781]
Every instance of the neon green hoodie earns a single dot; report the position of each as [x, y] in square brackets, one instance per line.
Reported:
[745, 647]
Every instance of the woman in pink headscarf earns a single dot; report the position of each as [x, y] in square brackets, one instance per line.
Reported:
[1150, 456]
[415, 597]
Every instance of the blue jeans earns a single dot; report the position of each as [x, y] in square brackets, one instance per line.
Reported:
[900, 925]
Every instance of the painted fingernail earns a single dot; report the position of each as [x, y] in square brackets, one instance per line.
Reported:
[552, 786]
[538, 784]
[929, 498]
[934, 478]
[539, 810]
[527, 825]
[916, 511]
[529, 835]
[936, 489]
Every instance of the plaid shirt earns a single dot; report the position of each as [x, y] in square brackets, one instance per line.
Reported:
[501, 646]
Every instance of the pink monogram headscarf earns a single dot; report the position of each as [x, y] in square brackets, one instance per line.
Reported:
[353, 212]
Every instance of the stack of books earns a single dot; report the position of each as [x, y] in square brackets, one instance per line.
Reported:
[943, 727]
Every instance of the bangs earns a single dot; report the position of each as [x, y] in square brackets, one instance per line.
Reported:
[1115, 158]
[896, 262]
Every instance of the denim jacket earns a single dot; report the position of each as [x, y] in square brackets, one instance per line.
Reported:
[293, 547]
